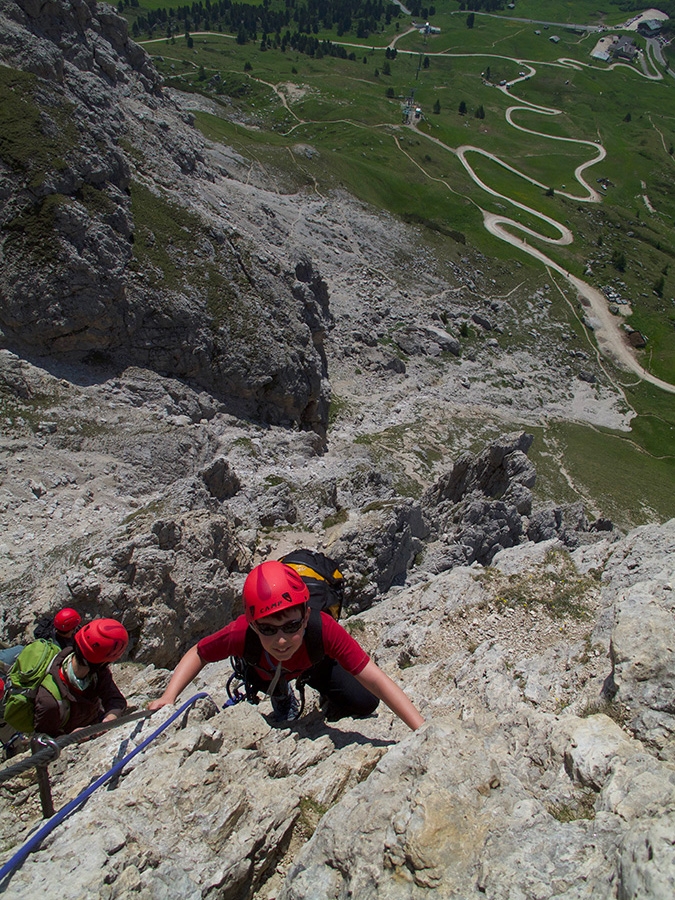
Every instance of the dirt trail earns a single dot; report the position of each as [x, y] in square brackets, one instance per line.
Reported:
[610, 337]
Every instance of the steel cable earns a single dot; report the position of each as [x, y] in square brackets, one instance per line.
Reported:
[34, 841]
[48, 755]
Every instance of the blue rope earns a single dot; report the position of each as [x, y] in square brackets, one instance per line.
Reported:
[55, 820]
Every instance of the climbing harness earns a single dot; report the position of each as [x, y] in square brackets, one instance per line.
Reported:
[33, 842]
[240, 687]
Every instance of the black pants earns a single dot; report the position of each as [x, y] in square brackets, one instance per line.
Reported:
[344, 694]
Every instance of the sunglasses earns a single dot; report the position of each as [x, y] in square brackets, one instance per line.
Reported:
[291, 627]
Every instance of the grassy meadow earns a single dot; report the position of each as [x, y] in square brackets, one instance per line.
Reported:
[350, 111]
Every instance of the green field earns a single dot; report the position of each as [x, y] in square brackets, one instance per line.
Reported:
[349, 110]
[352, 109]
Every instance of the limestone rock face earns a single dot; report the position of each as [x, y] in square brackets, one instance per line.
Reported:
[381, 550]
[478, 507]
[484, 504]
[103, 159]
[490, 473]
[643, 638]
[221, 482]
[168, 586]
[168, 514]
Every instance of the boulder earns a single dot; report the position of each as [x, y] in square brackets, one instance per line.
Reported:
[490, 472]
[221, 481]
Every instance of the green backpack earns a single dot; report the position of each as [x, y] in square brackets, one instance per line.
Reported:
[30, 670]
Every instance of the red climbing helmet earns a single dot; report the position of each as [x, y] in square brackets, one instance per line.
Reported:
[66, 619]
[272, 587]
[102, 641]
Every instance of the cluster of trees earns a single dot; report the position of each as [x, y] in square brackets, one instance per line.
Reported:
[421, 12]
[245, 19]
[486, 5]
[479, 113]
[309, 45]
[462, 110]
[666, 6]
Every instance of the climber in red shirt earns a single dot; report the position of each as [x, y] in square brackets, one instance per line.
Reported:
[275, 624]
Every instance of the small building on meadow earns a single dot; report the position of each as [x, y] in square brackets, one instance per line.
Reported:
[427, 28]
[650, 27]
[624, 48]
[603, 48]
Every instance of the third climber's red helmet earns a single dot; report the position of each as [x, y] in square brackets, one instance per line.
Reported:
[102, 641]
[271, 588]
[66, 619]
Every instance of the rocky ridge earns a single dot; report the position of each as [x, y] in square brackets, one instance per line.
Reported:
[84, 276]
[155, 520]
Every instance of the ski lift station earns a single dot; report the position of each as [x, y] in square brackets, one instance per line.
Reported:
[426, 28]
[411, 113]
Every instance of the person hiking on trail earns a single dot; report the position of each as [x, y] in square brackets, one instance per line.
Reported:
[277, 614]
[82, 690]
[60, 629]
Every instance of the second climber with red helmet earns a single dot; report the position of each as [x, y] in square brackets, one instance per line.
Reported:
[277, 612]
[79, 689]
[60, 629]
